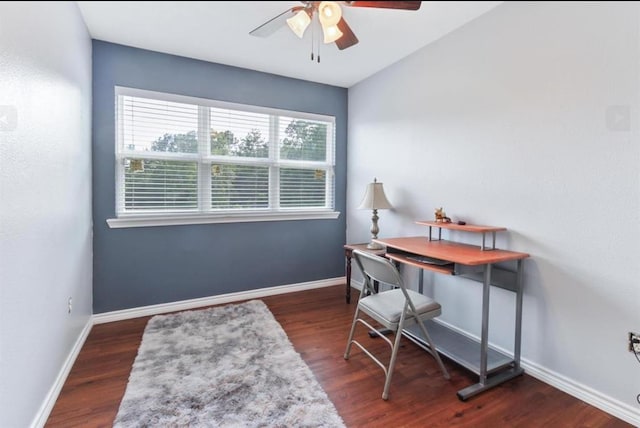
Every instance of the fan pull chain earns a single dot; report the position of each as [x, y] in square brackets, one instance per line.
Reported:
[316, 43]
[313, 34]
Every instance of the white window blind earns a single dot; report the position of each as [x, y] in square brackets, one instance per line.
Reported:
[189, 156]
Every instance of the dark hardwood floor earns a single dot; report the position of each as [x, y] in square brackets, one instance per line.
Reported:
[317, 323]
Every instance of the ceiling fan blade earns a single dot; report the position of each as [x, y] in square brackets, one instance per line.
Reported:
[274, 24]
[348, 39]
[407, 5]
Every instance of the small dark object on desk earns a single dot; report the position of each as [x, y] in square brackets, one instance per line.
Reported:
[461, 223]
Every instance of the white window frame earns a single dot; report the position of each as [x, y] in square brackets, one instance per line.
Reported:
[124, 219]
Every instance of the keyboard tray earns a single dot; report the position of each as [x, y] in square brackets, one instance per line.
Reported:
[430, 260]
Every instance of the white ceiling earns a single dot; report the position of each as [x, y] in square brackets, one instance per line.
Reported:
[219, 32]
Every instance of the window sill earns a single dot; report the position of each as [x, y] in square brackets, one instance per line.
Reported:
[179, 220]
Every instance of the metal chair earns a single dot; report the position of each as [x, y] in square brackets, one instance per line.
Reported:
[394, 309]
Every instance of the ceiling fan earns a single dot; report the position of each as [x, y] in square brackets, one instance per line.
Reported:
[334, 27]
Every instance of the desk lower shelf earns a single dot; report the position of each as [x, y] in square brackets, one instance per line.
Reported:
[459, 348]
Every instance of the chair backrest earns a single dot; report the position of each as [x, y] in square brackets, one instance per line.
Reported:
[378, 268]
[382, 270]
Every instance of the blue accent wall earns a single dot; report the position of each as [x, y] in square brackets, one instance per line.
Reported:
[136, 267]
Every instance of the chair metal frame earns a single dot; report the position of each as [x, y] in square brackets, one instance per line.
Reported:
[376, 268]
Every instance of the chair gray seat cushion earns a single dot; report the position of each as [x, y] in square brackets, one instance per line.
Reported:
[388, 305]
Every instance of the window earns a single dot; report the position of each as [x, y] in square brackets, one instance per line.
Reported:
[189, 160]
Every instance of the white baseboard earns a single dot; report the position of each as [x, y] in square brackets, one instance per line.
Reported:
[212, 300]
[50, 400]
[588, 395]
[583, 392]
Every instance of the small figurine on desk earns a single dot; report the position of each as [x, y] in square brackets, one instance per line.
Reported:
[441, 216]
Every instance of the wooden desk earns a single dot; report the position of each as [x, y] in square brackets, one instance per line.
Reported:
[492, 366]
[348, 251]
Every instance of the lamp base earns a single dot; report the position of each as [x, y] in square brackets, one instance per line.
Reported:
[374, 246]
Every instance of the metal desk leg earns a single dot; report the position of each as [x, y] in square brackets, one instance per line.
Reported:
[484, 338]
[486, 382]
[518, 333]
[482, 385]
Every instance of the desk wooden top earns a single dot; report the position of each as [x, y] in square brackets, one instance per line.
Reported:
[447, 250]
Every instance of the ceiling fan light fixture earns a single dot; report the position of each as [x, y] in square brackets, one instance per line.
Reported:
[299, 23]
[331, 33]
[334, 26]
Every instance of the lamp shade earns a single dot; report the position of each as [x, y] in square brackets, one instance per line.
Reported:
[374, 197]
[331, 33]
[329, 14]
[299, 22]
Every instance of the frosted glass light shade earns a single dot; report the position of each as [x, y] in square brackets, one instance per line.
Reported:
[331, 34]
[374, 197]
[329, 13]
[299, 23]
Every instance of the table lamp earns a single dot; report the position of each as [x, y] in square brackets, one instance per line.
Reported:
[374, 199]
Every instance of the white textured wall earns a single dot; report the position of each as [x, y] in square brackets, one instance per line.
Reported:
[45, 199]
[525, 118]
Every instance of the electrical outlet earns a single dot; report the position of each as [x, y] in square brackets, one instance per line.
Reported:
[70, 307]
[634, 342]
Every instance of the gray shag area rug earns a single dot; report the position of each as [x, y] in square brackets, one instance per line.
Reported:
[229, 366]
